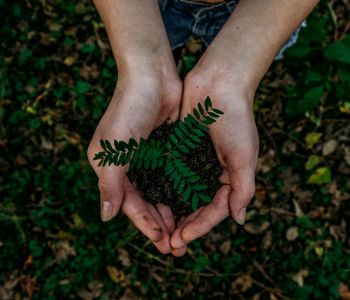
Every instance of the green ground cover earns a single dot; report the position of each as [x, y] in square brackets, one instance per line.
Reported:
[56, 76]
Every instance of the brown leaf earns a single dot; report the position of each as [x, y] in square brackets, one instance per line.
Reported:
[242, 283]
[115, 275]
[292, 233]
[124, 257]
[344, 291]
[299, 277]
[329, 147]
[225, 247]
[256, 229]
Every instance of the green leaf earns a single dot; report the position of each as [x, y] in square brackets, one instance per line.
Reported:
[173, 139]
[199, 132]
[190, 144]
[132, 143]
[194, 138]
[143, 152]
[160, 162]
[103, 145]
[195, 201]
[147, 164]
[214, 115]
[193, 179]
[200, 108]
[204, 198]
[312, 138]
[339, 51]
[208, 120]
[127, 157]
[109, 146]
[184, 149]
[173, 175]
[122, 145]
[312, 161]
[121, 159]
[218, 111]
[187, 194]
[196, 113]
[154, 164]
[179, 133]
[200, 187]
[181, 187]
[177, 181]
[207, 103]
[183, 127]
[202, 127]
[139, 163]
[322, 175]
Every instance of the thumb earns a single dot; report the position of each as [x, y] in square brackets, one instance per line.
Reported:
[110, 185]
[242, 191]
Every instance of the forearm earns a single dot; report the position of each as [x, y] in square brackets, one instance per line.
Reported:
[135, 30]
[256, 30]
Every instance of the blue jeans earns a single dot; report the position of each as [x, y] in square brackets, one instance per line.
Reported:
[183, 18]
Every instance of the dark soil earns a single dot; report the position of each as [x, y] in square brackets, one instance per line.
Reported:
[155, 187]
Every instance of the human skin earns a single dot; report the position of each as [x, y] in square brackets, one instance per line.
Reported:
[150, 92]
[229, 72]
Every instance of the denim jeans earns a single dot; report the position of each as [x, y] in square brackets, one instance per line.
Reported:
[183, 18]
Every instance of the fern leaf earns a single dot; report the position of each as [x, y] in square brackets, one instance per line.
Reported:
[200, 108]
[207, 103]
[195, 201]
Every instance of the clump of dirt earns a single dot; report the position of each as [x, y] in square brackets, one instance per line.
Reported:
[154, 185]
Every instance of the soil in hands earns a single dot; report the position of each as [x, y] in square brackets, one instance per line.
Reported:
[155, 187]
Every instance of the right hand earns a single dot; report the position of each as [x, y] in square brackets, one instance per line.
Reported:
[143, 100]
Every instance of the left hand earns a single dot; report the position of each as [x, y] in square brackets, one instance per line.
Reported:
[235, 139]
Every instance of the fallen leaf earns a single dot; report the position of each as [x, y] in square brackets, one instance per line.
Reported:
[292, 233]
[242, 283]
[115, 275]
[299, 277]
[312, 138]
[329, 147]
[344, 291]
[256, 229]
[312, 161]
[225, 247]
[322, 175]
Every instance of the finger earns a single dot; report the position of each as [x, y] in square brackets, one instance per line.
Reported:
[242, 192]
[176, 240]
[110, 185]
[209, 217]
[167, 216]
[179, 252]
[162, 245]
[138, 212]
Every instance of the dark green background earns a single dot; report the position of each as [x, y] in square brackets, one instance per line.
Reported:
[57, 74]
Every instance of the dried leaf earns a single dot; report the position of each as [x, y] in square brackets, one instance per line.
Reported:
[115, 275]
[225, 247]
[242, 283]
[329, 147]
[292, 233]
[256, 229]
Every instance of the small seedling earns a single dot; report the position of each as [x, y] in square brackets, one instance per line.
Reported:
[152, 154]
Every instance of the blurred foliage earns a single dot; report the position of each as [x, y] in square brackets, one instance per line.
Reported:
[56, 76]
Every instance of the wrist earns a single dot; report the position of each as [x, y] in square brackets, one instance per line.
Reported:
[220, 82]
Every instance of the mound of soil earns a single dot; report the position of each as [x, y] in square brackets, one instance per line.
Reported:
[155, 187]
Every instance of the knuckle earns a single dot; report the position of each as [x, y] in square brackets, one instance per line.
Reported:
[105, 187]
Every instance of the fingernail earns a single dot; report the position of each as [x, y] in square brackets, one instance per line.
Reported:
[106, 211]
[241, 216]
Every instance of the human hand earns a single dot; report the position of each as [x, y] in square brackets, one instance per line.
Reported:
[144, 99]
[235, 139]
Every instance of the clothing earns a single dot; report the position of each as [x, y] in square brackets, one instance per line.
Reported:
[183, 18]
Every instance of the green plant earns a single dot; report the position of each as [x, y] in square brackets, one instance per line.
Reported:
[153, 154]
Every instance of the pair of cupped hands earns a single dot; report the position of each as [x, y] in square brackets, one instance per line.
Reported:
[151, 93]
